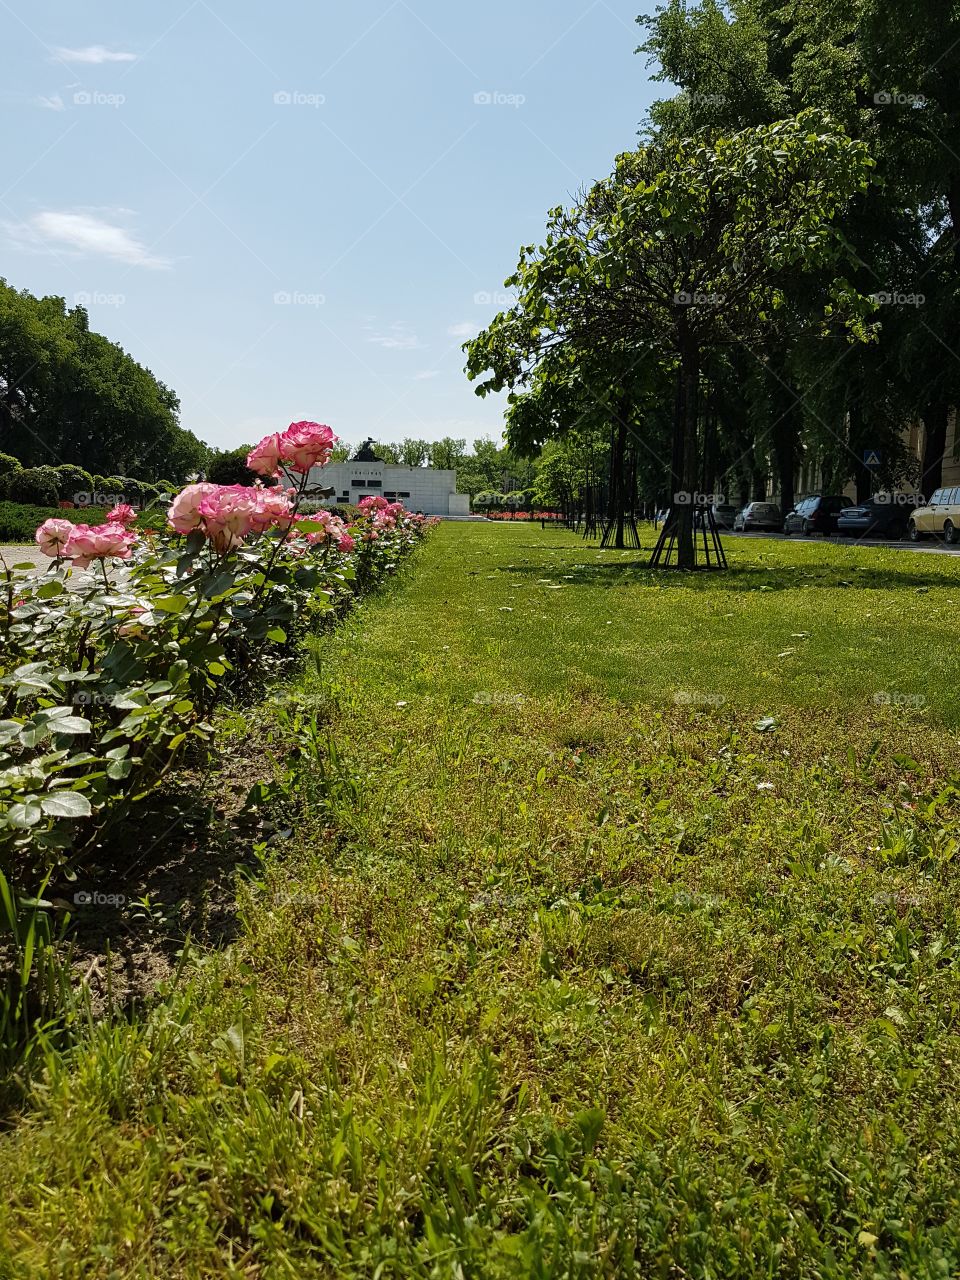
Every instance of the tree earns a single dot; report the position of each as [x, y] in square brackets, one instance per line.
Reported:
[414, 453]
[445, 454]
[691, 246]
[68, 395]
[888, 74]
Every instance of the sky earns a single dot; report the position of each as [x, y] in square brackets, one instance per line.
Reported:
[296, 210]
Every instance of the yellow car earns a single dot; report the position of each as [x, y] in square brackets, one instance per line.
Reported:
[941, 515]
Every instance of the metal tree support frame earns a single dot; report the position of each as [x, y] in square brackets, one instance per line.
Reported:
[710, 557]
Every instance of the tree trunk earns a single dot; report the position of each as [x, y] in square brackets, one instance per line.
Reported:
[689, 468]
[935, 442]
[618, 468]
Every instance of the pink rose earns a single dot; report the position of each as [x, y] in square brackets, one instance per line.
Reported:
[274, 507]
[264, 458]
[306, 444]
[52, 536]
[123, 514]
[373, 503]
[346, 543]
[184, 512]
[98, 542]
[229, 513]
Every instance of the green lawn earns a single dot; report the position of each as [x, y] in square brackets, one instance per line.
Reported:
[616, 935]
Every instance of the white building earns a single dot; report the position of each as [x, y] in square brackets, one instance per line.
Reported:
[418, 488]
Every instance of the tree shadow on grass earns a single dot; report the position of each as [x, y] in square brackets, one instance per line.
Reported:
[740, 578]
[163, 875]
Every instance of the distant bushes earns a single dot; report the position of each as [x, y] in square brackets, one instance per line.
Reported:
[18, 523]
[47, 486]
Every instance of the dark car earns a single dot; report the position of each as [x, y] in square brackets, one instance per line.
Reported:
[884, 516]
[724, 515]
[817, 514]
[759, 515]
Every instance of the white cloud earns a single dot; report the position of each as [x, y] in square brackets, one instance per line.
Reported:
[396, 337]
[425, 374]
[85, 233]
[55, 103]
[93, 54]
[465, 330]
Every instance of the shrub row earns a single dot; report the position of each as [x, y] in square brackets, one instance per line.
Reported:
[18, 523]
[47, 486]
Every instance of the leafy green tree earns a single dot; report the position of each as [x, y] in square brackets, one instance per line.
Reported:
[68, 395]
[690, 246]
[414, 453]
[446, 454]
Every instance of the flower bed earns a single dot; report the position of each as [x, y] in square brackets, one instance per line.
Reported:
[548, 516]
[113, 660]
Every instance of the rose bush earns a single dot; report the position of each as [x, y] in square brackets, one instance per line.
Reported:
[113, 660]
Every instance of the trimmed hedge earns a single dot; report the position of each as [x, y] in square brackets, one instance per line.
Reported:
[19, 521]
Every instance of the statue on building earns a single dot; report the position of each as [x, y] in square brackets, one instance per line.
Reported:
[365, 453]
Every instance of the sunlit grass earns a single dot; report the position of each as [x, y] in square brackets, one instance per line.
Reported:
[617, 936]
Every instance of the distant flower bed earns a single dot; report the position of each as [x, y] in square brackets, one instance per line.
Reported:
[553, 516]
[114, 659]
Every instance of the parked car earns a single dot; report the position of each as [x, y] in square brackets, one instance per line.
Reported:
[724, 514]
[941, 515]
[759, 515]
[884, 516]
[817, 514]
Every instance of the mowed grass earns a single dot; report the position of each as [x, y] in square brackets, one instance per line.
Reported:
[615, 934]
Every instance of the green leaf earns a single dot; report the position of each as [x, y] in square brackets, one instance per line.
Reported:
[171, 604]
[71, 724]
[66, 804]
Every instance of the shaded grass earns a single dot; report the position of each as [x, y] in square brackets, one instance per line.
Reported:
[557, 974]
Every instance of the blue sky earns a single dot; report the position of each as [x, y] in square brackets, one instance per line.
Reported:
[295, 210]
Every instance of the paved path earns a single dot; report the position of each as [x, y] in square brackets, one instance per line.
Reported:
[20, 555]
